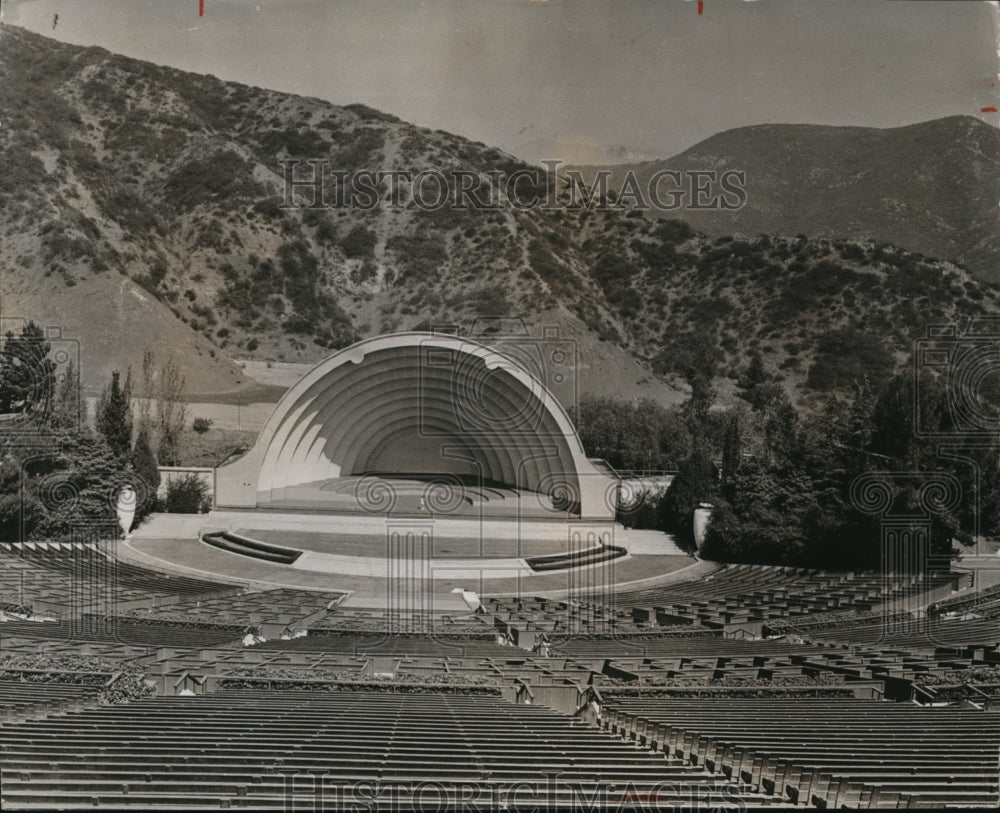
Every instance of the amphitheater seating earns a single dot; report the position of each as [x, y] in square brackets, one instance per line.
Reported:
[749, 595]
[241, 748]
[118, 631]
[395, 644]
[28, 587]
[827, 752]
[669, 644]
[279, 607]
[760, 686]
[553, 618]
[910, 633]
[22, 698]
[61, 582]
[93, 561]
[341, 619]
[984, 602]
[31, 645]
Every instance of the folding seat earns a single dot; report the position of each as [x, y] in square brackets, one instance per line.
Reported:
[819, 788]
[796, 783]
[845, 793]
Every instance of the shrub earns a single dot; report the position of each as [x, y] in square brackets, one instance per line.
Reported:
[359, 147]
[366, 273]
[187, 494]
[847, 356]
[298, 323]
[674, 231]
[544, 263]
[359, 242]
[419, 257]
[366, 113]
[326, 232]
[224, 176]
[305, 143]
[270, 208]
[201, 425]
[492, 301]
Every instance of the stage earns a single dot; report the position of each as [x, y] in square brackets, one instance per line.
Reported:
[417, 495]
[409, 465]
[372, 557]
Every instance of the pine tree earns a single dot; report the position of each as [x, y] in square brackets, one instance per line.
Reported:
[144, 465]
[753, 377]
[694, 483]
[732, 451]
[27, 374]
[91, 476]
[114, 416]
[781, 422]
[695, 356]
[66, 406]
[859, 427]
[20, 510]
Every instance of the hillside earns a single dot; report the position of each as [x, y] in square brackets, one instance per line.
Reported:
[141, 209]
[931, 187]
[128, 182]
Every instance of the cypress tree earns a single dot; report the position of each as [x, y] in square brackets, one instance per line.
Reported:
[66, 407]
[114, 417]
[144, 464]
[27, 374]
[732, 452]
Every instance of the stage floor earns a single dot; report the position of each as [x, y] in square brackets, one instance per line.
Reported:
[356, 554]
[428, 495]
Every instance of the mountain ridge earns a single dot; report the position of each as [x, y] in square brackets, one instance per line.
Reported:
[143, 206]
[932, 187]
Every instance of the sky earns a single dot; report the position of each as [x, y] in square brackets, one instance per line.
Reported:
[581, 81]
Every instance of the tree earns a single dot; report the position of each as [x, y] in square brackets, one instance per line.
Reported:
[147, 391]
[780, 428]
[632, 435]
[144, 465]
[114, 415]
[777, 419]
[845, 356]
[859, 429]
[753, 379]
[767, 521]
[359, 242]
[27, 374]
[600, 422]
[77, 485]
[694, 483]
[20, 509]
[172, 411]
[732, 451]
[66, 406]
[695, 356]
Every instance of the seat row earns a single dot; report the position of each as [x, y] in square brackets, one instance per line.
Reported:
[826, 752]
[243, 748]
